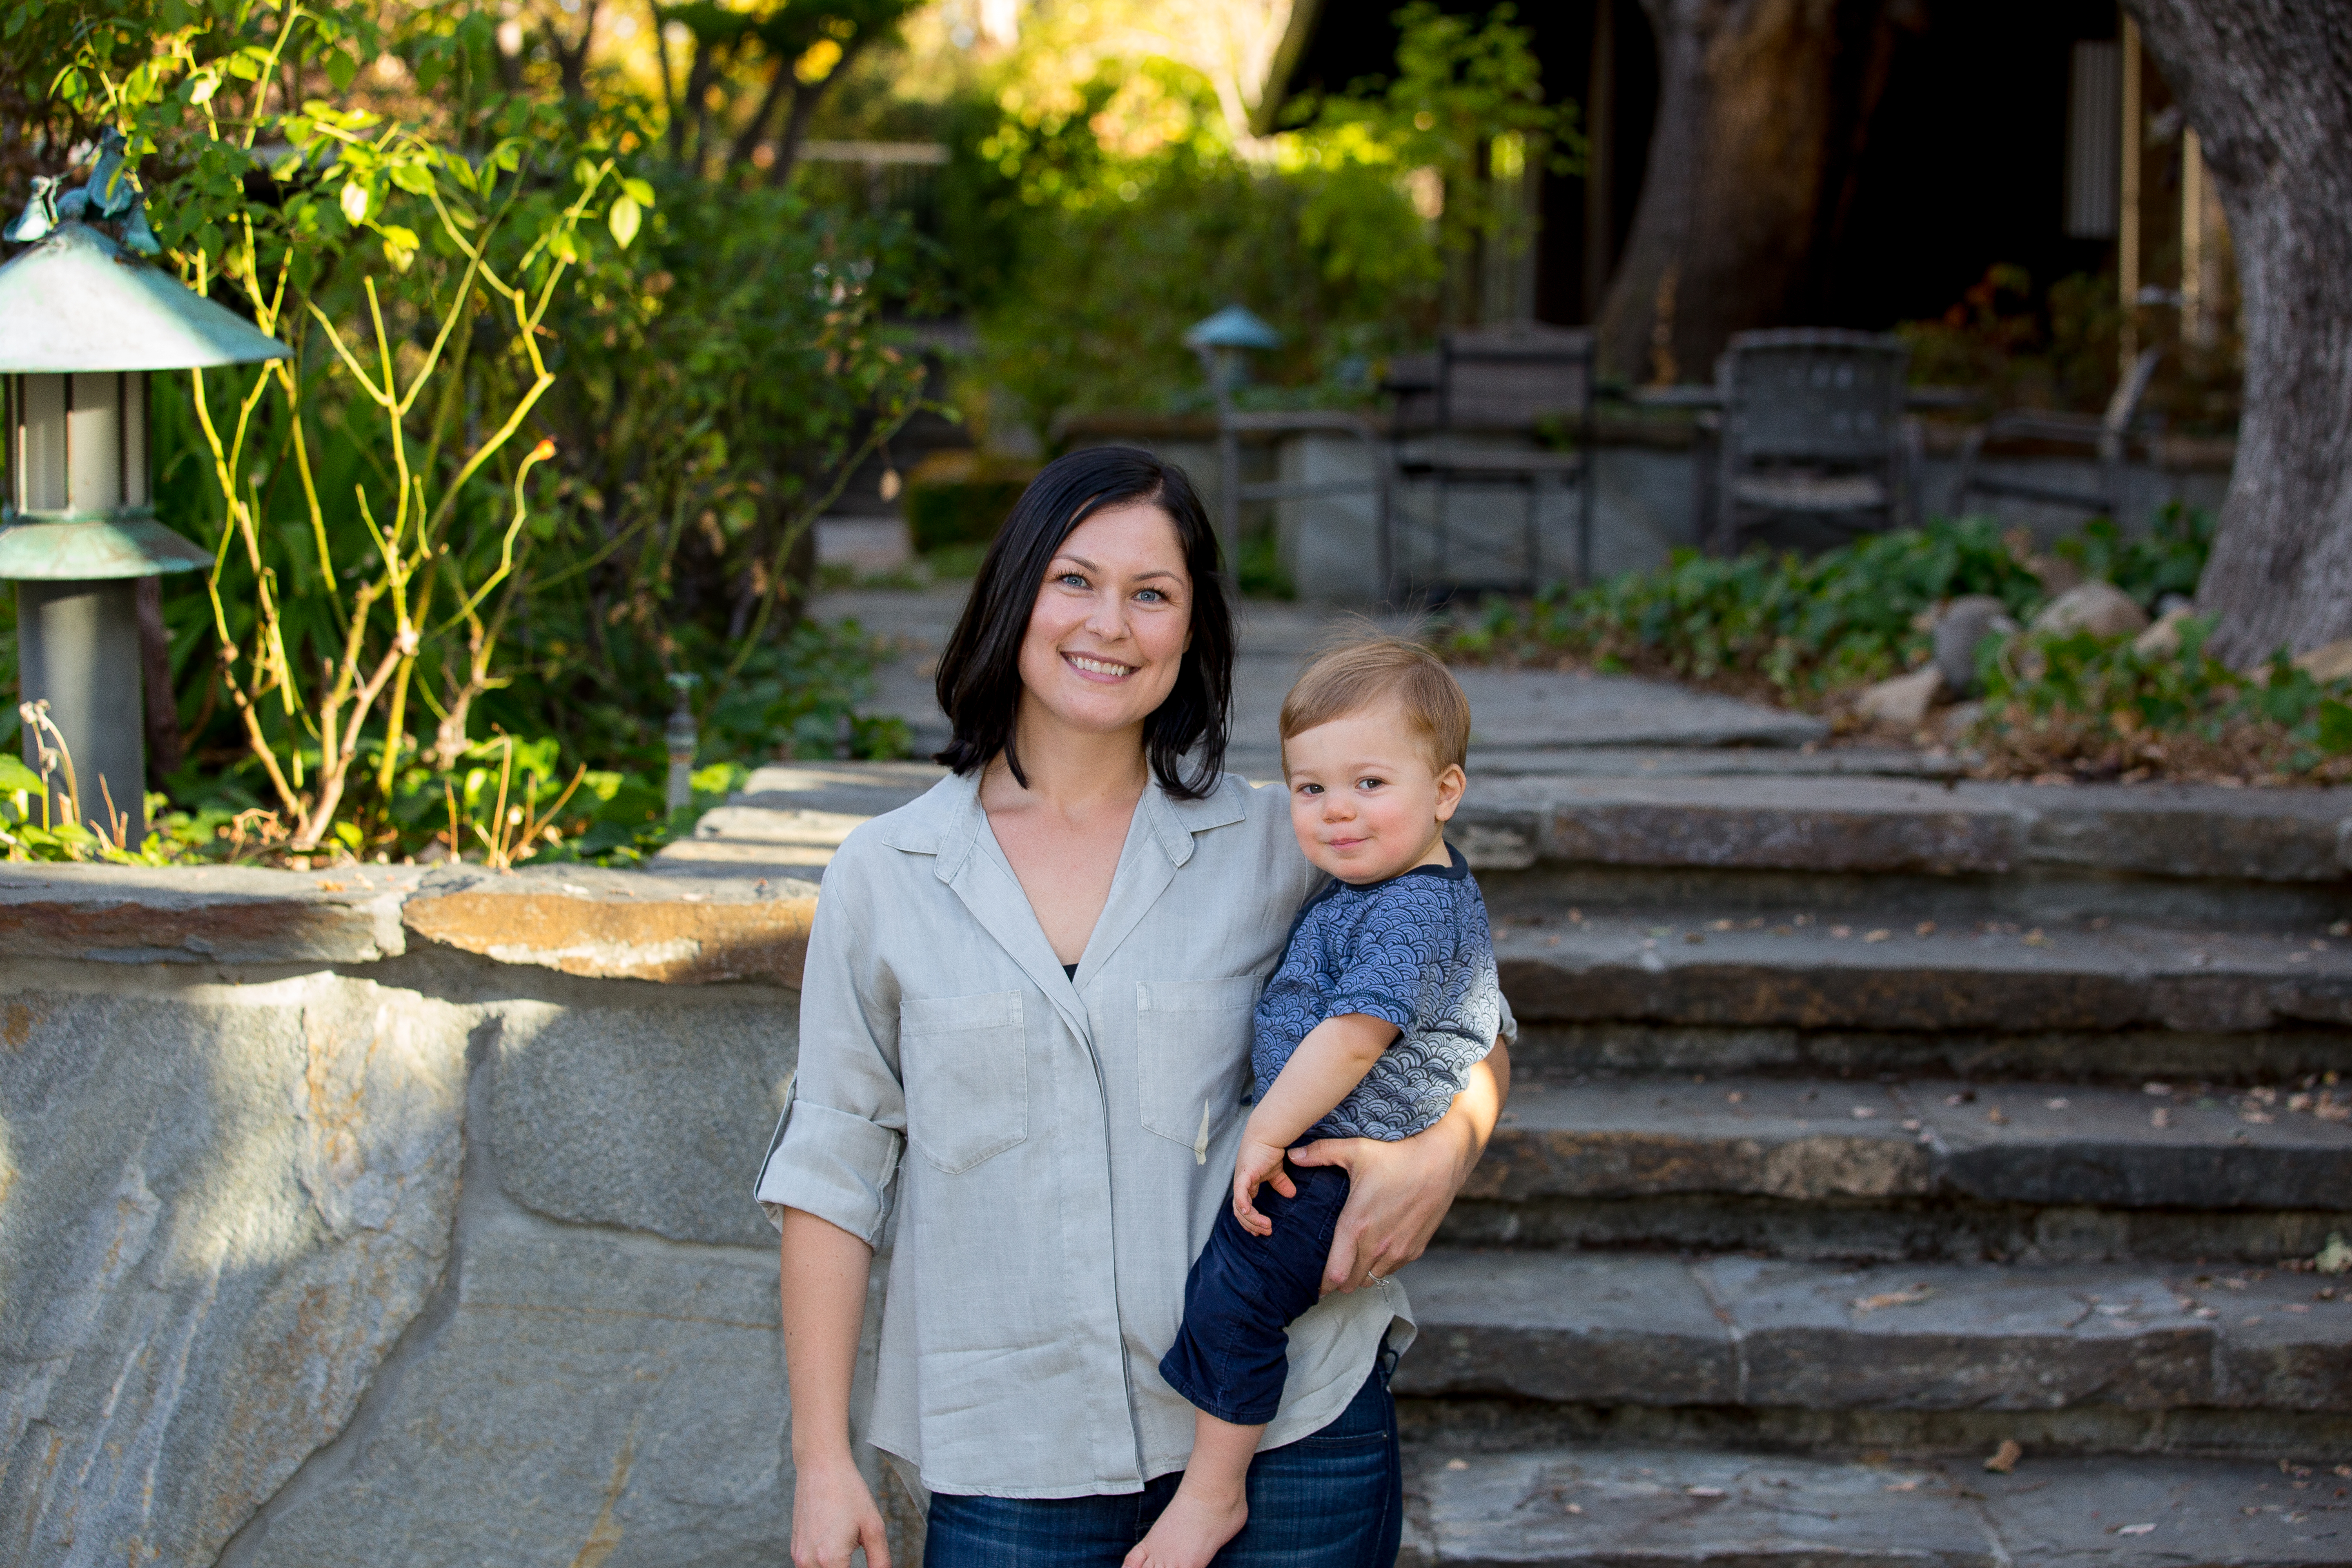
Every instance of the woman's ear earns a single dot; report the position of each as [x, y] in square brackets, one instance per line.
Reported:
[1450, 785]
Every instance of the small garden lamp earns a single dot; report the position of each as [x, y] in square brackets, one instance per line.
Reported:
[680, 739]
[1223, 339]
[82, 321]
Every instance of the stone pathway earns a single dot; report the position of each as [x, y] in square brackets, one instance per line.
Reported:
[1524, 720]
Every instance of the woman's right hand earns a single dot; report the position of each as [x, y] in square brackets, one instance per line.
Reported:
[834, 1515]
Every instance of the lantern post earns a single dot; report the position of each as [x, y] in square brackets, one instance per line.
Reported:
[83, 319]
[1221, 342]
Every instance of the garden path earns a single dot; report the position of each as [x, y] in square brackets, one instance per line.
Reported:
[1527, 720]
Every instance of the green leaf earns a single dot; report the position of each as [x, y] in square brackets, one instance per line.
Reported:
[399, 246]
[583, 174]
[2335, 727]
[341, 70]
[624, 217]
[413, 178]
[355, 202]
[15, 775]
[640, 191]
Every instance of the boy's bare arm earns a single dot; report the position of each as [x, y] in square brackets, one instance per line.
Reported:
[1333, 1059]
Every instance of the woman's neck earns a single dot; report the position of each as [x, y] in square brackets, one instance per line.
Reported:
[1073, 771]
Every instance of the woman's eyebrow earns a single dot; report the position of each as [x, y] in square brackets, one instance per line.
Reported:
[1154, 572]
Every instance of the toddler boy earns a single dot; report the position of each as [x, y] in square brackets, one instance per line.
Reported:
[1385, 998]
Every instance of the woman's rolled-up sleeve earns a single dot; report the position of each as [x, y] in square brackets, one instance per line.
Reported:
[837, 1144]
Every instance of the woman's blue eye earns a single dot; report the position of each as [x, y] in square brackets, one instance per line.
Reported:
[1071, 580]
[1153, 593]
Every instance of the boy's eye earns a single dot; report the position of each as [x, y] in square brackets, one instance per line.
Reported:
[1310, 789]
[1370, 783]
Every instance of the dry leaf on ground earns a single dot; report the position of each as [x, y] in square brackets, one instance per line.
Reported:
[1890, 1299]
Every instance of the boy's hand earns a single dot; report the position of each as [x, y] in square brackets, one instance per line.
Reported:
[1259, 1163]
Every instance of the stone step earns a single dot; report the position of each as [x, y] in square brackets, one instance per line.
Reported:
[1608, 826]
[1633, 1329]
[1954, 988]
[1922, 1170]
[1674, 1508]
[1807, 1141]
[1883, 826]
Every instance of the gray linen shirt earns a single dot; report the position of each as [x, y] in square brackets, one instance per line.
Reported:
[1071, 1141]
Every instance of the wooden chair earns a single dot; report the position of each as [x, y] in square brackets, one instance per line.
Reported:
[2108, 435]
[1504, 380]
[1812, 427]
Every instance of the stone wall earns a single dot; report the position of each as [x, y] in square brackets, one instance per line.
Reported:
[380, 1218]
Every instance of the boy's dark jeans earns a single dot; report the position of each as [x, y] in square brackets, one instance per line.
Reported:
[1231, 1356]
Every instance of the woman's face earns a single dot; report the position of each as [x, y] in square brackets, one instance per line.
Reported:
[1112, 619]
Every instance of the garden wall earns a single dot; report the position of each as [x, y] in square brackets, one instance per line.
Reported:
[379, 1215]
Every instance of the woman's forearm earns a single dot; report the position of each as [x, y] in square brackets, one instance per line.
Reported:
[824, 1272]
[1486, 1088]
[1398, 1193]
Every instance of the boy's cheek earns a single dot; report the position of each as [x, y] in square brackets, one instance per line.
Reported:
[1303, 820]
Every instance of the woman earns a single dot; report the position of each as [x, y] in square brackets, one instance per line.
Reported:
[1027, 1003]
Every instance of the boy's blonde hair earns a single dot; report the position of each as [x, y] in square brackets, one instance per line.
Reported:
[1349, 677]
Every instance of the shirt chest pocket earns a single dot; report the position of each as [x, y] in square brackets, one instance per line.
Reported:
[1192, 1051]
[964, 1061]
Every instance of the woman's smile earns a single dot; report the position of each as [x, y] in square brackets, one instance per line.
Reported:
[1100, 669]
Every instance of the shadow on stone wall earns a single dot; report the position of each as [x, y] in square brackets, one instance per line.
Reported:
[426, 1258]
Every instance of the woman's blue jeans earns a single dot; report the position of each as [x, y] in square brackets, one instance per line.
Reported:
[1334, 1498]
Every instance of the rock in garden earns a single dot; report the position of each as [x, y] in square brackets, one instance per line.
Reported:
[1966, 622]
[1904, 701]
[2057, 573]
[2328, 662]
[2162, 640]
[2100, 608]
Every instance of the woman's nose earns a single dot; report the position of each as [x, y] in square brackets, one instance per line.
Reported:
[1108, 617]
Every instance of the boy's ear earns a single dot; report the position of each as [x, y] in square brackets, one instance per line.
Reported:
[1450, 785]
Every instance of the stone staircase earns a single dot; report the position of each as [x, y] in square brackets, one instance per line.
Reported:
[1862, 1126]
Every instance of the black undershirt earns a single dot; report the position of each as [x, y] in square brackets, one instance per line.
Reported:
[1071, 970]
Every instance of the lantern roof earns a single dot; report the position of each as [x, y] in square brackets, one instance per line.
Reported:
[1235, 327]
[38, 550]
[76, 300]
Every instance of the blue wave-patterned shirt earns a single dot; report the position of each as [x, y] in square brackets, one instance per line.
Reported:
[1413, 949]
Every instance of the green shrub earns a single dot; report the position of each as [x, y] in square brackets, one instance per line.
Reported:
[2167, 559]
[959, 511]
[1792, 626]
[2088, 707]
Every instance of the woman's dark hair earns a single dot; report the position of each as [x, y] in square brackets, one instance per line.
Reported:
[980, 671]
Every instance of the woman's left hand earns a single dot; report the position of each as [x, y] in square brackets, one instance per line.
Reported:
[1397, 1193]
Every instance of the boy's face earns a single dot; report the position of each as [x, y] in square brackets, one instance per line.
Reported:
[1364, 801]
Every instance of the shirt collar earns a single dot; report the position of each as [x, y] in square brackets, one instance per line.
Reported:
[946, 819]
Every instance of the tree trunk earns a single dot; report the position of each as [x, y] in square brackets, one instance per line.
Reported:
[2268, 86]
[1762, 104]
